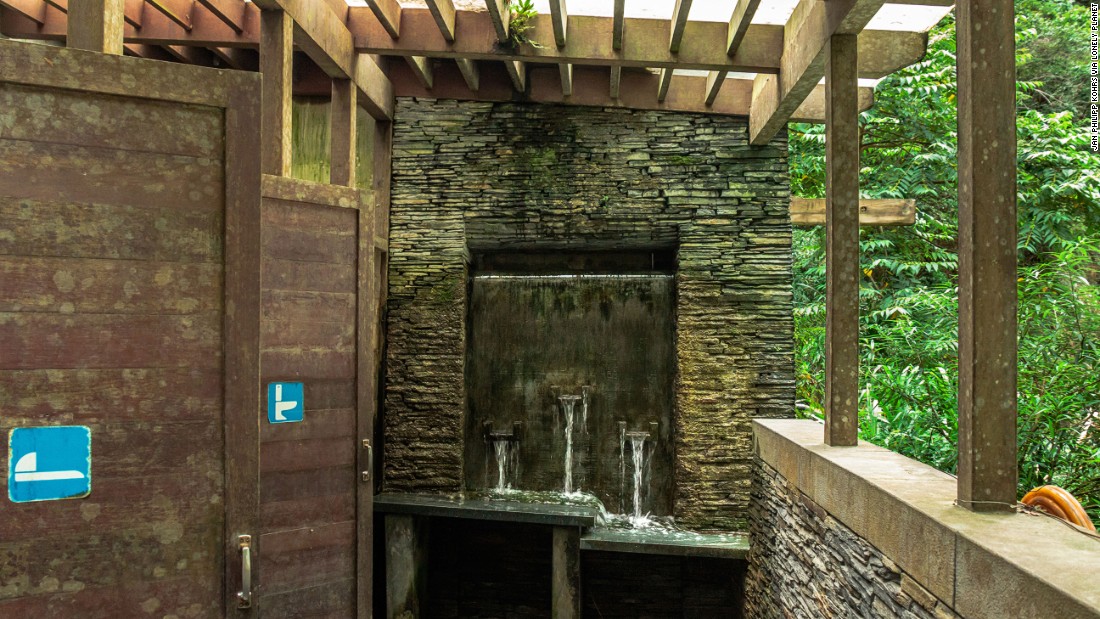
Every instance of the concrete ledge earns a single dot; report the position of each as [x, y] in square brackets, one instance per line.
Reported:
[509, 511]
[983, 565]
[712, 545]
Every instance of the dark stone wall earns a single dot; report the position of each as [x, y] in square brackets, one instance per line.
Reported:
[488, 176]
[805, 563]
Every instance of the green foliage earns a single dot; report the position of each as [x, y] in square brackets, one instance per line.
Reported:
[909, 294]
[522, 12]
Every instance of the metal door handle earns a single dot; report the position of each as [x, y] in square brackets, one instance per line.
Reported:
[370, 459]
[244, 596]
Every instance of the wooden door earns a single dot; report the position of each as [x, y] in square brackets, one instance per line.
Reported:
[311, 481]
[129, 204]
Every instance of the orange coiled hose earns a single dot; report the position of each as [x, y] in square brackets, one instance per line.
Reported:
[1060, 504]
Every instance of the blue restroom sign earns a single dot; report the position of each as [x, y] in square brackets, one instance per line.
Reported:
[285, 402]
[49, 463]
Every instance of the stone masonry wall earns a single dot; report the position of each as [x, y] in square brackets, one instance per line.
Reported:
[482, 176]
[805, 563]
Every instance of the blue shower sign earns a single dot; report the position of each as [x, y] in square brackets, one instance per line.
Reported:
[49, 463]
[285, 402]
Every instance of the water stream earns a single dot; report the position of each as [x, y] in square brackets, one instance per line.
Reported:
[637, 451]
[505, 455]
[568, 404]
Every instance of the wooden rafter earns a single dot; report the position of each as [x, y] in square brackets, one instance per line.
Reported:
[444, 13]
[232, 12]
[191, 55]
[237, 58]
[618, 24]
[388, 13]
[872, 212]
[616, 81]
[803, 61]
[468, 69]
[715, 79]
[422, 69]
[500, 18]
[559, 17]
[663, 83]
[179, 11]
[739, 24]
[679, 21]
[565, 72]
[34, 10]
[132, 10]
[637, 90]
[327, 41]
[517, 72]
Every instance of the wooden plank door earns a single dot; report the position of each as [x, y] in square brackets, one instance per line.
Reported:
[126, 198]
[310, 478]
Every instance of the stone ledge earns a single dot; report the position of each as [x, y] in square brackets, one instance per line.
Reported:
[983, 565]
[711, 545]
[477, 509]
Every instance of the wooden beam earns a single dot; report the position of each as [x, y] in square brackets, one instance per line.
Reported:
[560, 18]
[191, 55]
[388, 13]
[806, 36]
[703, 46]
[179, 11]
[842, 272]
[679, 21]
[813, 108]
[638, 90]
[422, 69]
[664, 82]
[96, 25]
[987, 255]
[34, 10]
[444, 13]
[565, 72]
[343, 133]
[616, 79]
[233, 13]
[132, 11]
[327, 41]
[714, 84]
[739, 24]
[277, 68]
[150, 52]
[500, 17]
[517, 71]
[237, 58]
[618, 23]
[468, 68]
[806, 212]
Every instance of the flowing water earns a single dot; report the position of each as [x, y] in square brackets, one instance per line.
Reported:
[622, 466]
[505, 454]
[637, 451]
[568, 404]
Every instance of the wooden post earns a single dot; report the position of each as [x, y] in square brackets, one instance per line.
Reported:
[987, 255]
[96, 25]
[842, 242]
[276, 65]
[566, 578]
[342, 133]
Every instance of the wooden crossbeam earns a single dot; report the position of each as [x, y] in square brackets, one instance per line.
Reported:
[802, 64]
[388, 13]
[739, 24]
[34, 10]
[806, 212]
[468, 68]
[325, 39]
[179, 11]
[679, 21]
[232, 12]
[637, 90]
[590, 43]
[444, 13]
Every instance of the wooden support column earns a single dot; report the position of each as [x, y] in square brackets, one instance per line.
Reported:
[96, 25]
[566, 578]
[406, 565]
[276, 65]
[842, 242]
[987, 255]
[342, 133]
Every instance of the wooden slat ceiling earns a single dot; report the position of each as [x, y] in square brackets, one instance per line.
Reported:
[770, 72]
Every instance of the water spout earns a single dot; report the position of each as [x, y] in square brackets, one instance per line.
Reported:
[640, 462]
[568, 404]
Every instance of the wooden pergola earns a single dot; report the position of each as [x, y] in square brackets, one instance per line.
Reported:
[770, 73]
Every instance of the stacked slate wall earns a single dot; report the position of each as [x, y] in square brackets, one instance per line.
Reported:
[806, 563]
[471, 176]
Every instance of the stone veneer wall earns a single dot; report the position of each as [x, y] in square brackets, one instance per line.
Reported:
[482, 176]
[805, 563]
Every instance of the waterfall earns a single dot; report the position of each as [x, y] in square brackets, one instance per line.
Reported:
[568, 403]
[584, 410]
[622, 466]
[637, 447]
[505, 457]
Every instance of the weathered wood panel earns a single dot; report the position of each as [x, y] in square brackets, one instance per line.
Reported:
[308, 479]
[112, 305]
